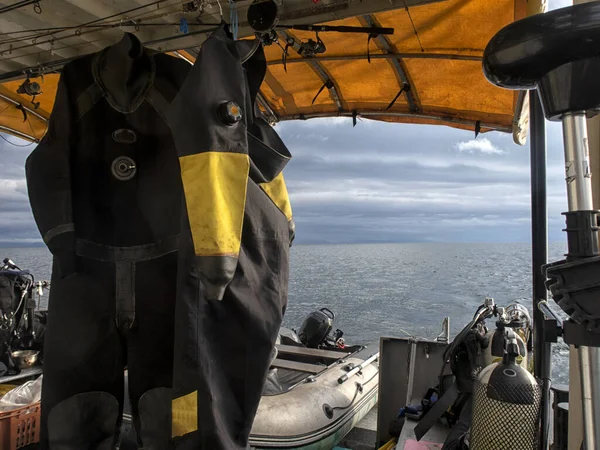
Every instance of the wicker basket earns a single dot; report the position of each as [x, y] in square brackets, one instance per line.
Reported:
[19, 427]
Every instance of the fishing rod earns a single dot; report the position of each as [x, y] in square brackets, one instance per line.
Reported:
[263, 18]
[21, 4]
[338, 29]
[77, 27]
[57, 64]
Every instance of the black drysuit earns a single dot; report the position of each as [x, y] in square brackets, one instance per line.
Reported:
[216, 222]
[105, 190]
[231, 297]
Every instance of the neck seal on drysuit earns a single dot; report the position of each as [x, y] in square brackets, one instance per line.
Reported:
[125, 71]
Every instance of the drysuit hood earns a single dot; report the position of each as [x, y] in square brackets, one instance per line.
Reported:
[125, 71]
[268, 153]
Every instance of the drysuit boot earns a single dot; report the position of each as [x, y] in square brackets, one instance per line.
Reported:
[154, 412]
[105, 190]
[84, 421]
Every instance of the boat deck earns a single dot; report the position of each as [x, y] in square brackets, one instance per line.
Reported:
[364, 435]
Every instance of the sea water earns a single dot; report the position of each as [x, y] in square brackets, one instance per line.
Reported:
[393, 289]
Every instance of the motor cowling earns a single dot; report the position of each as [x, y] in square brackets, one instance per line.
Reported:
[316, 327]
[506, 404]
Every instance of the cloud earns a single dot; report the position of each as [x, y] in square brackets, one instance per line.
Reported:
[555, 4]
[482, 145]
[385, 182]
[378, 182]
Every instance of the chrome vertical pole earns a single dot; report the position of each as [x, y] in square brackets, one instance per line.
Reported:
[577, 162]
[579, 194]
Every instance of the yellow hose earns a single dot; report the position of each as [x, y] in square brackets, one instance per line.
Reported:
[389, 445]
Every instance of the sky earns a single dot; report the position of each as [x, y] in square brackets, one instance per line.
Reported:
[376, 182]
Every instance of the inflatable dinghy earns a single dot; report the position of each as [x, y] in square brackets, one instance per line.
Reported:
[314, 397]
[316, 392]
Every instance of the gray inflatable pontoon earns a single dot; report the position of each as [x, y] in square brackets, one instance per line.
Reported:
[304, 405]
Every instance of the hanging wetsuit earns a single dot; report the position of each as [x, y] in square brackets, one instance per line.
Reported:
[236, 232]
[105, 190]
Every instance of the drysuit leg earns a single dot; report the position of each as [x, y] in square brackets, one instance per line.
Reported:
[83, 354]
[150, 350]
[227, 346]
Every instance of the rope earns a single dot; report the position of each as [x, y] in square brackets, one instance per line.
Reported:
[12, 143]
[234, 23]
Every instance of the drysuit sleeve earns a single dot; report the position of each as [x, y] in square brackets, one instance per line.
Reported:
[277, 191]
[213, 155]
[48, 176]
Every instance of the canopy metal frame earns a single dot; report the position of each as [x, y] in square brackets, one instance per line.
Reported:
[397, 63]
[539, 257]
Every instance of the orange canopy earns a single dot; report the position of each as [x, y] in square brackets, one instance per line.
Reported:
[433, 57]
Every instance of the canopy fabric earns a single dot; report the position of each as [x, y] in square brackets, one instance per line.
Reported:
[434, 56]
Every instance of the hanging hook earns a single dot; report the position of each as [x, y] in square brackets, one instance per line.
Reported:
[371, 36]
[328, 84]
[20, 108]
[37, 8]
[220, 10]
[233, 19]
[405, 88]
[477, 128]
[285, 53]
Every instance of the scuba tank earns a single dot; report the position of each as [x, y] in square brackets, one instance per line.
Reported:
[506, 404]
[515, 317]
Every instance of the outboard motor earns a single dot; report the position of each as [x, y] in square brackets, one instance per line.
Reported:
[316, 327]
[506, 404]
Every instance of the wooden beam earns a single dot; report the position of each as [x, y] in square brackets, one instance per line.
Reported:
[293, 350]
[298, 366]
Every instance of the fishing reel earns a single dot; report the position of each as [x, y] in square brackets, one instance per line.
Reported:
[310, 48]
[31, 88]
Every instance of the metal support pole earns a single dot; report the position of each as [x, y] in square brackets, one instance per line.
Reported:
[539, 256]
[579, 193]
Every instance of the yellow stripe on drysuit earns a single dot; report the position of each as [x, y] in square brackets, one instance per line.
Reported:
[278, 193]
[215, 186]
[185, 414]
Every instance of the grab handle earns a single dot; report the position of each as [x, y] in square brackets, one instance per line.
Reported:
[331, 315]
